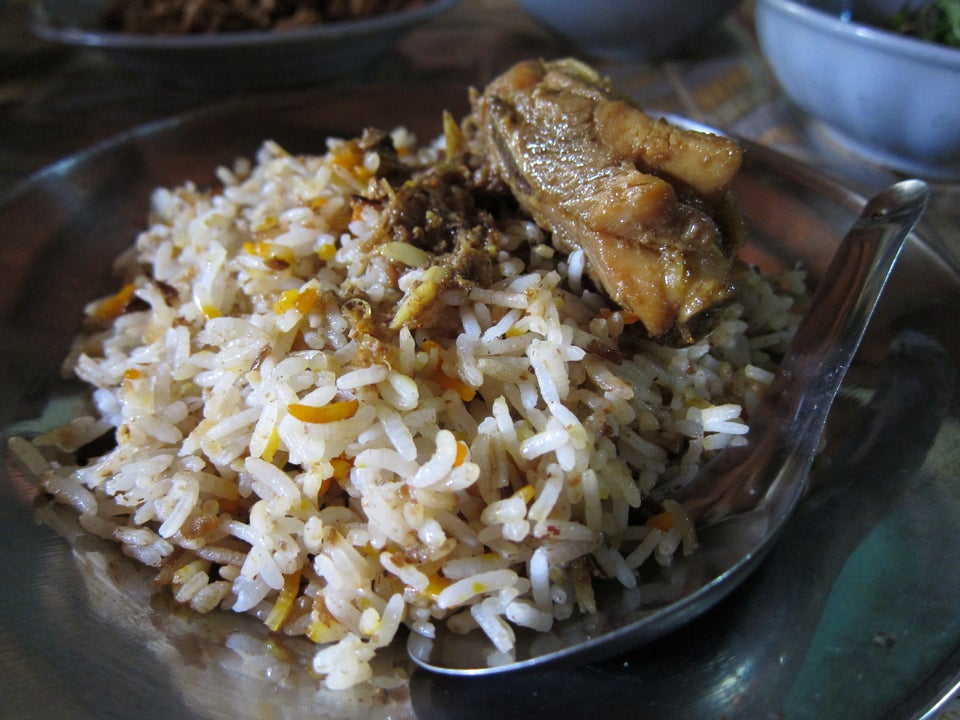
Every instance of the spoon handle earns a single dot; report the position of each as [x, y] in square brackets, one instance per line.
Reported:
[787, 426]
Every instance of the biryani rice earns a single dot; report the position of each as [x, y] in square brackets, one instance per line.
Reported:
[275, 458]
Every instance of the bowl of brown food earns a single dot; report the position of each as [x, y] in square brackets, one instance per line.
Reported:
[879, 77]
[230, 44]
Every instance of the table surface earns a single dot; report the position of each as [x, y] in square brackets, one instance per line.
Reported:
[55, 100]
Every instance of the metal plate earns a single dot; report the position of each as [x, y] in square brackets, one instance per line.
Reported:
[856, 612]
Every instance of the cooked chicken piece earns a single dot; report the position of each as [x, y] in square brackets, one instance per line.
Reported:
[633, 192]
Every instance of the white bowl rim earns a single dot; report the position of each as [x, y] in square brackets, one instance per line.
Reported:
[869, 35]
[342, 29]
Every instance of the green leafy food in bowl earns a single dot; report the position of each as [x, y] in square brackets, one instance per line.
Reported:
[937, 21]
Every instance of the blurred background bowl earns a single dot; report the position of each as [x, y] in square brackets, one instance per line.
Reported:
[627, 29]
[893, 99]
[248, 59]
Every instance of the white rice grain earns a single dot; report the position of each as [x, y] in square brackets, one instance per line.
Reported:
[440, 464]
[462, 591]
[493, 624]
[186, 492]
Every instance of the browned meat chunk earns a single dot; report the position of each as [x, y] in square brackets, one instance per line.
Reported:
[636, 194]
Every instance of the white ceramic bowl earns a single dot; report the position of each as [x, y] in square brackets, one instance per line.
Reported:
[893, 99]
[627, 29]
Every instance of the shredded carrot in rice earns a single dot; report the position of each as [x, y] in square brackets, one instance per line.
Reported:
[110, 308]
[350, 157]
[270, 251]
[466, 392]
[341, 468]
[462, 451]
[189, 570]
[527, 492]
[340, 410]
[663, 521]
[270, 449]
[306, 300]
[324, 627]
[437, 584]
[345, 155]
[302, 301]
[324, 487]
[286, 301]
[284, 604]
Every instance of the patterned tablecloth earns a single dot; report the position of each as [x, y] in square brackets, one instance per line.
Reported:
[55, 101]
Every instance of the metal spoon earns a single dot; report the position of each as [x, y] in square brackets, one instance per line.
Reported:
[742, 498]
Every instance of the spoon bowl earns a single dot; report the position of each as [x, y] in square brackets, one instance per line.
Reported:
[742, 499]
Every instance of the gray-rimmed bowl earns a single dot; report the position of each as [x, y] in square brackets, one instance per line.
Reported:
[235, 60]
[892, 99]
[627, 29]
